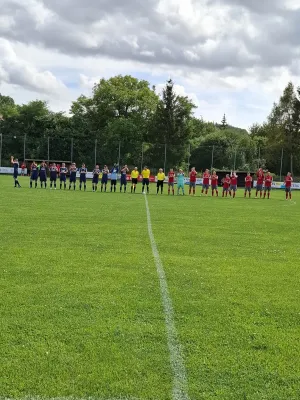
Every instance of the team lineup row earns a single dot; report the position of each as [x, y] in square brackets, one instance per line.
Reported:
[229, 183]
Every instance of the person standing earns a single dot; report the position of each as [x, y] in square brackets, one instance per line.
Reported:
[114, 177]
[146, 179]
[160, 181]
[82, 176]
[248, 185]
[268, 184]
[180, 182]
[288, 186]
[134, 179]
[205, 182]
[233, 184]
[193, 179]
[63, 176]
[124, 172]
[214, 184]
[73, 172]
[53, 176]
[260, 182]
[43, 174]
[171, 178]
[96, 174]
[34, 174]
[15, 164]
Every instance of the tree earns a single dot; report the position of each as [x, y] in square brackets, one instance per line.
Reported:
[224, 124]
[7, 107]
[172, 126]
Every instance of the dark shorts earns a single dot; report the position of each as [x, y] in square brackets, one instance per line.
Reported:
[53, 178]
[146, 181]
[72, 179]
[259, 188]
[268, 188]
[233, 188]
[247, 188]
[171, 184]
[63, 178]
[205, 186]
[214, 187]
[134, 181]
[123, 180]
[34, 176]
[160, 183]
[104, 179]
[95, 180]
[288, 189]
[192, 184]
[16, 174]
[225, 189]
[43, 178]
[83, 178]
[113, 182]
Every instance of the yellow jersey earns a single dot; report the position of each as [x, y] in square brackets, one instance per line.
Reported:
[161, 176]
[146, 173]
[135, 174]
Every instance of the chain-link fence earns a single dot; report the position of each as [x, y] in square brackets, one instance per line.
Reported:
[155, 156]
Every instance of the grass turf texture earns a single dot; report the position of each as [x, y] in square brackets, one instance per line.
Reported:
[80, 306]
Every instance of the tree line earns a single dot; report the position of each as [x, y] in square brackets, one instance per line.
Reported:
[125, 120]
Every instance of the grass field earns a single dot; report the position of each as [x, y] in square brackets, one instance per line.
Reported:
[81, 306]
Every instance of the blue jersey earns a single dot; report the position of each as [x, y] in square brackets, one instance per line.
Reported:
[114, 173]
[16, 168]
[63, 171]
[83, 171]
[53, 172]
[43, 173]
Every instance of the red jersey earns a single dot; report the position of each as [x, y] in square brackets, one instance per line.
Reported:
[233, 180]
[288, 181]
[248, 181]
[226, 183]
[214, 180]
[171, 176]
[260, 177]
[23, 166]
[193, 176]
[268, 180]
[206, 177]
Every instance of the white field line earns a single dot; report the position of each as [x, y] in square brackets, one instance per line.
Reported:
[180, 385]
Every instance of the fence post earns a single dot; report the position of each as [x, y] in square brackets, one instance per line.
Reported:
[234, 162]
[119, 155]
[281, 162]
[165, 161]
[95, 151]
[24, 148]
[0, 149]
[189, 157]
[72, 150]
[48, 149]
[212, 157]
[142, 159]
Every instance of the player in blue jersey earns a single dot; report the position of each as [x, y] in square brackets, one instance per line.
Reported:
[43, 174]
[34, 174]
[63, 175]
[104, 179]
[73, 172]
[124, 172]
[113, 177]
[15, 164]
[96, 174]
[82, 172]
[53, 176]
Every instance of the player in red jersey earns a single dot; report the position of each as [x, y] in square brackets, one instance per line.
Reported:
[248, 185]
[233, 184]
[193, 177]
[214, 184]
[226, 184]
[171, 177]
[288, 186]
[260, 182]
[268, 184]
[205, 183]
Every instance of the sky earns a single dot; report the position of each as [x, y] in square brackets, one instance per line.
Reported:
[229, 56]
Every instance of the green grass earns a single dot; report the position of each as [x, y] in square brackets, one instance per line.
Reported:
[81, 312]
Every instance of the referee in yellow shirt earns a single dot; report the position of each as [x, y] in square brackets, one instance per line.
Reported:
[134, 179]
[160, 181]
[146, 176]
